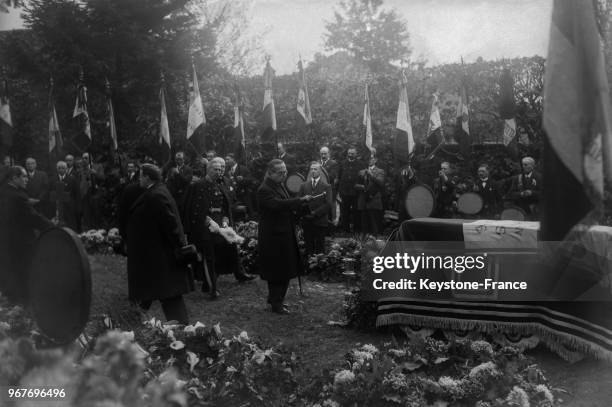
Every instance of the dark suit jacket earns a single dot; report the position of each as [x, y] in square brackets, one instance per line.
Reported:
[279, 256]
[521, 183]
[178, 180]
[154, 233]
[319, 208]
[129, 195]
[290, 162]
[331, 167]
[38, 188]
[491, 197]
[348, 176]
[64, 197]
[371, 196]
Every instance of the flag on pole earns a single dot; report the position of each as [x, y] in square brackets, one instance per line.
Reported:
[55, 136]
[239, 136]
[367, 120]
[434, 133]
[578, 143]
[404, 140]
[196, 111]
[463, 121]
[80, 111]
[303, 103]
[111, 116]
[164, 130]
[6, 122]
[507, 106]
[269, 111]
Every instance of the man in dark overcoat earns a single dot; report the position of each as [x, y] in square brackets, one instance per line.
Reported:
[18, 223]
[179, 177]
[525, 189]
[64, 196]
[154, 235]
[279, 256]
[348, 174]
[38, 187]
[315, 220]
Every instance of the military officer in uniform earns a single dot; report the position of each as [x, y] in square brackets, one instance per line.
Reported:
[206, 200]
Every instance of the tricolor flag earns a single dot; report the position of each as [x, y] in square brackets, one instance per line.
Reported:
[6, 123]
[578, 149]
[269, 112]
[507, 106]
[239, 136]
[111, 117]
[164, 130]
[80, 111]
[303, 103]
[196, 111]
[55, 136]
[434, 132]
[367, 120]
[463, 123]
[404, 140]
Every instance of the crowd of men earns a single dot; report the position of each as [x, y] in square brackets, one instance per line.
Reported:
[174, 220]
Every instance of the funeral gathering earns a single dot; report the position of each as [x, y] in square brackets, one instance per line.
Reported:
[197, 199]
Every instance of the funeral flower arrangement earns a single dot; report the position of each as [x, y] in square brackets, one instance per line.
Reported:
[330, 265]
[428, 372]
[248, 248]
[101, 241]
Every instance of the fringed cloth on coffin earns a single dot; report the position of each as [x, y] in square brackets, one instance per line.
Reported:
[570, 329]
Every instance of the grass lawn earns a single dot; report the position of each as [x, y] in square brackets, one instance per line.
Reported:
[306, 332]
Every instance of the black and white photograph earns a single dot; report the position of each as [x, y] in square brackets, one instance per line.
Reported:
[309, 203]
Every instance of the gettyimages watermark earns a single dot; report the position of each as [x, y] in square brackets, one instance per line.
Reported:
[546, 271]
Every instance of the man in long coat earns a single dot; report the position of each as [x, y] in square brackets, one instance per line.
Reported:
[154, 236]
[279, 256]
[371, 186]
[38, 187]
[18, 223]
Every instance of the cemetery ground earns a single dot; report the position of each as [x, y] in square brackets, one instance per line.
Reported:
[309, 330]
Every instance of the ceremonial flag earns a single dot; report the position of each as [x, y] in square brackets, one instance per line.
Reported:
[578, 148]
[196, 111]
[164, 130]
[463, 122]
[404, 140]
[269, 112]
[111, 117]
[6, 123]
[303, 103]
[239, 136]
[507, 106]
[55, 136]
[80, 111]
[367, 120]
[434, 133]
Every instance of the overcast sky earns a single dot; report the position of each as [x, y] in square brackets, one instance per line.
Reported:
[441, 30]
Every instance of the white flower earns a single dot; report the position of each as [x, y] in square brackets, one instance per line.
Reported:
[231, 369]
[483, 347]
[343, 376]
[199, 325]
[487, 368]
[370, 348]
[177, 345]
[243, 336]
[330, 403]
[192, 359]
[448, 382]
[398, 353]
[190, 329]
[518, 398]
[217, 328]
[170, 334]
[540, 388]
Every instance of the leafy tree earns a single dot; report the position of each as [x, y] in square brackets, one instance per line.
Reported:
[371, 34]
